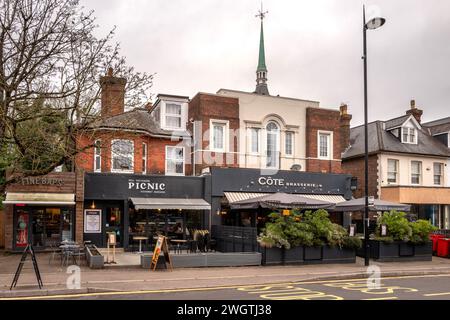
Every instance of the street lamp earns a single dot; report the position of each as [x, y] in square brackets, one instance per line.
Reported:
[373, 24]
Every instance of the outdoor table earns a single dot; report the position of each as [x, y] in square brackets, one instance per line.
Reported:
[66, 250]
[140, 239]
[178, 243]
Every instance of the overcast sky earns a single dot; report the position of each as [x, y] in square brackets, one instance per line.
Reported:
[313, 49]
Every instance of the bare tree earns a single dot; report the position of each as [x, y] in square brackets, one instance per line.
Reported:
[50, 65]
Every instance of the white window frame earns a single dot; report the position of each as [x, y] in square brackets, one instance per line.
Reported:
[330, 145]
[144, 157]
[441, 179]
[97, 145]
[420, 173]
[292, 134]
[112, 157]
[278, 145]
[258, 130]
[397, 168]
[409, 135]
[167, 159]
[182, 115]
[226, 133]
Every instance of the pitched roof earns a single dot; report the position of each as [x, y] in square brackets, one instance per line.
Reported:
[137, 120]
[396, 122]
[382, 140]
[438, 126]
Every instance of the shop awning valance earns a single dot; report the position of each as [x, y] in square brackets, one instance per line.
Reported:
[282, 201]
[233, 197]
[67, 199]
[170, 203]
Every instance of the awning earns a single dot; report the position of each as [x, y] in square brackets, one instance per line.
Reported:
[233, 197]
[282, 201]
[40, 198]
[170, 203]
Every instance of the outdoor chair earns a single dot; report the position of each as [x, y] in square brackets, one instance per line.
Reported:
[54, 252]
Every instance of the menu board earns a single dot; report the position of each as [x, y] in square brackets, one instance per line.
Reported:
[161, 245]
[92, 221]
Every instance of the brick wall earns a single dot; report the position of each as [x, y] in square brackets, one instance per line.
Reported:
[156, 152]
[2, 229]
[204, 107]
[327, 120]
[355, 167]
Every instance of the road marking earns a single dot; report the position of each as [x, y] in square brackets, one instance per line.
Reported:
[437, 294]
[385, 298]
[207, 288]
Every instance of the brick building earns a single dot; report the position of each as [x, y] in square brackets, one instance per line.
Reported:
[408, 163]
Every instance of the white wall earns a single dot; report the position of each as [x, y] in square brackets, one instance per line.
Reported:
[257, 111]
[405, 169]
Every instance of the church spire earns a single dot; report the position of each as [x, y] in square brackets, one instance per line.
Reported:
[261, 71]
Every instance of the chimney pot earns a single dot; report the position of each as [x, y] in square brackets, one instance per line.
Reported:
[413, 104]
[110, 72]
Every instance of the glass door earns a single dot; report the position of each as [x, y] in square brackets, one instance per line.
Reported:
[114, 224]
[22, 228]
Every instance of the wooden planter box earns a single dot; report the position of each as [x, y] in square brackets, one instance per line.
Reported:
[399, 251]
[307, 255]
[94, 258]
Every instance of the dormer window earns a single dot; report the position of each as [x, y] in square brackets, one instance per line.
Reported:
[173, 115]
[409, 135]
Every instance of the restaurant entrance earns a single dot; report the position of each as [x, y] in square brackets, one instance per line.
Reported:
[42, 227]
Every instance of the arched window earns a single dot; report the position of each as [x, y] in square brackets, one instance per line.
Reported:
[272, 145]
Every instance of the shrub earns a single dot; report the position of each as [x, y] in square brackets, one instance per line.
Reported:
[421, 230]
[398, 227]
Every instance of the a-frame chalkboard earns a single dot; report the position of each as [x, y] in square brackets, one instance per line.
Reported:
[28, 250]
[161, 245]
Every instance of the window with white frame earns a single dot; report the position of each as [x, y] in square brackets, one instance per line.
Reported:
[174, 161]
[173, 118]
[289, 144]
[438, 173]
[218, 136]
[122, 154]
[324, 145]
[272, 145]
[144, 158]
[392, 174]
[97, 156]
[254, 140]
[409, 135]
[416, 172]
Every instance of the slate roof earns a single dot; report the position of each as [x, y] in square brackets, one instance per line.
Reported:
[396, 122]
[137, 120]
[438, 126]
[381, 140]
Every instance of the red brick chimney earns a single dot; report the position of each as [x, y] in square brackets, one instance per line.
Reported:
[113, 95]
[417, 113]
[344, 120]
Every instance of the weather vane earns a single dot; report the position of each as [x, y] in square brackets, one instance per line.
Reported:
[262, 13]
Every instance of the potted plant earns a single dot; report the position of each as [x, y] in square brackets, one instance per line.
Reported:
[308, 237]
[403, 240]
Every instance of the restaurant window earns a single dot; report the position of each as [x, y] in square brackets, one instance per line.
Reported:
[272, 147]
[173, 115]
[254, 140]
[289, 148]
[218, 138]
[324, 145]
[144, 158]
[97, 156]
[174, 161]
[416, 172]
[393, 171]
[438, 169]
[122, 156]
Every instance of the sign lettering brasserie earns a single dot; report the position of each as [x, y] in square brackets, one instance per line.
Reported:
[269, 181]
[146, 186]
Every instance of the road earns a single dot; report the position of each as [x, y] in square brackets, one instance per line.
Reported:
[428, 287]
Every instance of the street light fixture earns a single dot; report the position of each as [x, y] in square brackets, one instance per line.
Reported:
[373, 24]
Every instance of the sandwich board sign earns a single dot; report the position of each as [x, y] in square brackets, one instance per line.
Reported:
[161, 245]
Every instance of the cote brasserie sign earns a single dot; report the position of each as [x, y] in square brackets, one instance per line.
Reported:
[269, 181]
[146, 186]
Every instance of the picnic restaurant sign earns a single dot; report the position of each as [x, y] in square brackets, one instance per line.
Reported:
[146, 186]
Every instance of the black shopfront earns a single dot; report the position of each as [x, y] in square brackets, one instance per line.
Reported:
[237, 230]
[140, 205]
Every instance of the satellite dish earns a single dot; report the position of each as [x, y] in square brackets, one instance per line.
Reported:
[296, 167]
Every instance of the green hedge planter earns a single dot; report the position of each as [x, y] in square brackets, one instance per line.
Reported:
[398, 251]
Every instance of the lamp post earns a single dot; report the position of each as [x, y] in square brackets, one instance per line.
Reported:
[373, 24]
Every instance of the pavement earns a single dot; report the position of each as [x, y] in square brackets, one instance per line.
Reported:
[128, 279]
